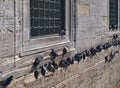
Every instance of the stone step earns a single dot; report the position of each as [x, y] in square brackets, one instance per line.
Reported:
[23, 66]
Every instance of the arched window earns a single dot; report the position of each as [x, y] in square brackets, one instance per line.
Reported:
[47, 17]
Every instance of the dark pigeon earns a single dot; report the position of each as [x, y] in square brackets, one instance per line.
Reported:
[36, 74]
[53, 54]
[43, 70]
[37, 60]
[99, 48]
[50, 67]
[115, 36]
[6, 82]
[106, 58]
[93, 51]
[105, 46]
[87, 53]
[64, 52]
[112, 55]
[70, 60]
[63, 64]
[78, 57]
[55, 65]
[62, 33]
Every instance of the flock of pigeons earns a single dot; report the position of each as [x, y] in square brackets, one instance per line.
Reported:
[52, 65]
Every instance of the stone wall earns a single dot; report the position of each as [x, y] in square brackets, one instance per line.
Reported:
[6, 28]
[90, 28]
[91, 23]
[91, 73]
[7, 42]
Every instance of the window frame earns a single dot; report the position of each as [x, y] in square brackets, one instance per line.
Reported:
[42, 43]
[44, 27]
[118, 18]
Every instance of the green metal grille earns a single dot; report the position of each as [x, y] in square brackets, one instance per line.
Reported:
[113, 13]
[47, 17]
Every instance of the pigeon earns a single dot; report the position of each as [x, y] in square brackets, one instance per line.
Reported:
[83, 55]
[64, 52]
[62, 33]
[37, 60]
[70, 60]
[6, 82]
[53, 54]
[87, 53]
[105, 46]
[112, 55]
[115, 36]
[36, 63]
[43, 69]
[99, 48]
[50, 67]
[55, 65]
[36, 74]
[106, 58]
[78, 57]
[63, 64]
[93, 51]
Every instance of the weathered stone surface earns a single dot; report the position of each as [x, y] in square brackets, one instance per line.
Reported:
[104, 21]
[97, 75]
[91, 25]
[83, 10]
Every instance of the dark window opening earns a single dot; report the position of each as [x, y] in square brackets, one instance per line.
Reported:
[47, 17]
[113, 15]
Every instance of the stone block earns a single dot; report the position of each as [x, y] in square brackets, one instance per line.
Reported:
[83, 9]
[105, 21]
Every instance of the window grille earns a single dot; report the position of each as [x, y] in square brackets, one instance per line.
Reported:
[113, 15]
[47, 17]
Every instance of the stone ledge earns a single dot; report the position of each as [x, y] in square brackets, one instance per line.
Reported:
[23, 66]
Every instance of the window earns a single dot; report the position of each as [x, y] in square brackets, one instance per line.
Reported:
[113, 15]
[47, 17]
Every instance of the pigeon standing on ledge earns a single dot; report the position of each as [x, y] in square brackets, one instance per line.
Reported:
[93, 51]
[53, 54]
[36, 74]
[63, 64]
[50, 67]
[115, 36]
[38, 59]
[62, 33]
[78, 57]
[6, 82]
[70, 60]
[43, 69]
[106, 59]
[99, 48]
[55, 65]
[64, 51]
